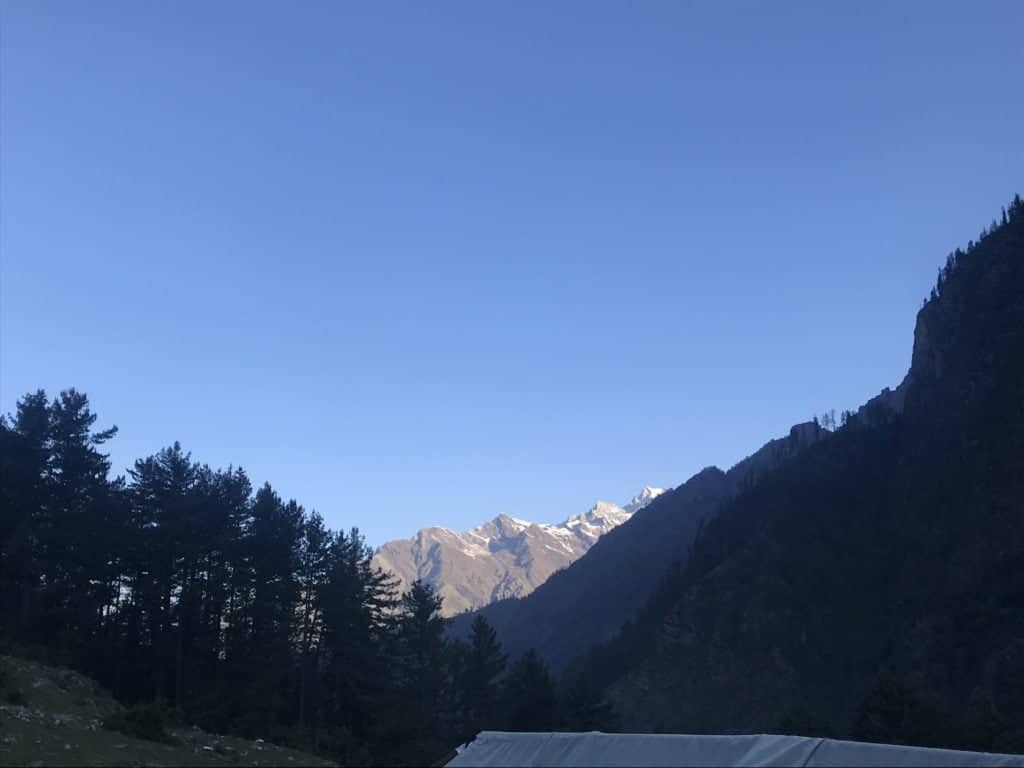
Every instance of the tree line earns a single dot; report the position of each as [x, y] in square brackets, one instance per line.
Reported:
[237, 610]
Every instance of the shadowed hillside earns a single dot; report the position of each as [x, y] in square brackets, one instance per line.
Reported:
[872, 586]
[589, 601]
[53, 716]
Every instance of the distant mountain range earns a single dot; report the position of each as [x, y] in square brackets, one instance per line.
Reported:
[505, 557]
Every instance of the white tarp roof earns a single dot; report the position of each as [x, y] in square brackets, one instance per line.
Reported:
[646, 750]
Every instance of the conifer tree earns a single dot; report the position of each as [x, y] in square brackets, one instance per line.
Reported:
[531, 699]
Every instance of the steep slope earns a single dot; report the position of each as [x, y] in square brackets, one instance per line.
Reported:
[871, 587]
[590, 600]
[54, 716]
[505, 557]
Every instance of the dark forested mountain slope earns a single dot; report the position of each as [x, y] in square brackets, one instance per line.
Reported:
[590, 600]
[586, 600]
[874, 585]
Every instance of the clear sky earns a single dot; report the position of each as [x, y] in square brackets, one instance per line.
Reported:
[424, 263]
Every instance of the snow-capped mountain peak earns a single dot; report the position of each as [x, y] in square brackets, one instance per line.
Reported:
[642, 499]
[504, 557]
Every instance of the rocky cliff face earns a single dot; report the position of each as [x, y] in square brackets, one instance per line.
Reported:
[505, 557]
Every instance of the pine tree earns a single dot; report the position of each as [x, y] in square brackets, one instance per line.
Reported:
[313, 573]
[418, 656]
[161, 490]
[584, 708]
[76, 526]
[271, 548]
[484, 664]
[22, 460]
[358, 690]
[530, 696]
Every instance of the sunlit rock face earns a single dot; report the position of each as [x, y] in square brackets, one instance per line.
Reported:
[504, 557]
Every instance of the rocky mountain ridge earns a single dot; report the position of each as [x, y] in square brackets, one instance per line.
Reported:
[502, 558]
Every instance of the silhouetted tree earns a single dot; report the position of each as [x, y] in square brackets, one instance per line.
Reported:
[531, 700]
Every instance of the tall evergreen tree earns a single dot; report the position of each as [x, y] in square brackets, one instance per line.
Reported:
[358, 601]
[268, 577]
[484, 664]
[531, 699]
[313, 573]
[163, 501]
[22, 497]
[420, 673]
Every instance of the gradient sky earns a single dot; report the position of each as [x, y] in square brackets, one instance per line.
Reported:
[424, 263]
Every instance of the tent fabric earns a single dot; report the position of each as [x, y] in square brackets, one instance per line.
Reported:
[497, 748]
[838, 753]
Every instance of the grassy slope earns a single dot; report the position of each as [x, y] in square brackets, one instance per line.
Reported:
[60, 723]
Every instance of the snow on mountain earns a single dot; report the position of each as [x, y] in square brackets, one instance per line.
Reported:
[642, 499]
[504, 557]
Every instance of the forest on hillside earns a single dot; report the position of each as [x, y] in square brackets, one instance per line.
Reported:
[871, 587]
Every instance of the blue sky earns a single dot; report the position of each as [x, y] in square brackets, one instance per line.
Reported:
[424, 263]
